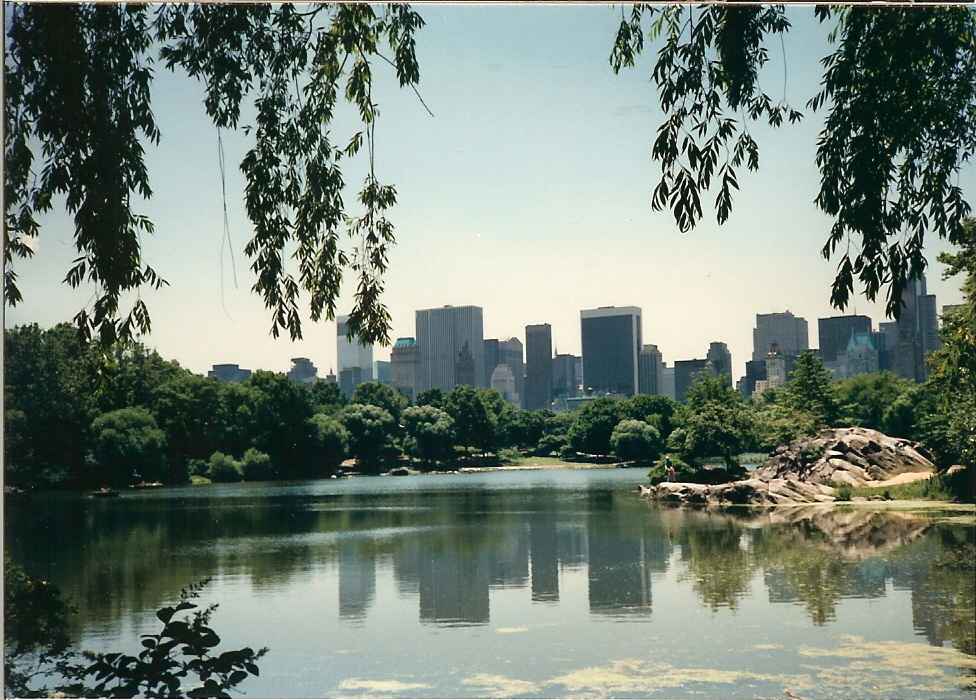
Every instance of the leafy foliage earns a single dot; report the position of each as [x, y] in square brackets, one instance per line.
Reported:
[635, 441]
[475, 421]
[95, 63]
[430, 433]
[256, 466]
[371, 431]
[900, 123]
[127, 446]
[593, 427]
[180, 660]
[810, 389]
[223, 468]
[330, 443]
[381, 395]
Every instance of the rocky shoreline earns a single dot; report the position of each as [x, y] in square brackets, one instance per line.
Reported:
[809, 471]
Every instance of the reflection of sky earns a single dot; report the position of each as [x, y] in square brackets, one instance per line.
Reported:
[528, 193]
[540, 582]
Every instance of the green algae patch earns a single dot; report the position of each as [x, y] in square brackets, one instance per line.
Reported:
[634, 676]
[380, 686]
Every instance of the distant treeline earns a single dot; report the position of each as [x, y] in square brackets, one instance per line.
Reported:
[79, 416]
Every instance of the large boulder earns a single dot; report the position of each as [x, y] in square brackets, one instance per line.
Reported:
[806, 470]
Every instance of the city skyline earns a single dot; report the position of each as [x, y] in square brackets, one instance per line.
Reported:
[500, 206]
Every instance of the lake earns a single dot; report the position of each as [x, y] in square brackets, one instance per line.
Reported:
[529, 584]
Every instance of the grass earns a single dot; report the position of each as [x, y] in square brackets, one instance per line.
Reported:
[934, 489]
[197, 480]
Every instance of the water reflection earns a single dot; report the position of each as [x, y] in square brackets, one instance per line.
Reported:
[446, 551]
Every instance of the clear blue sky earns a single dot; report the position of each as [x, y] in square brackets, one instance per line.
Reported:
[527, 194]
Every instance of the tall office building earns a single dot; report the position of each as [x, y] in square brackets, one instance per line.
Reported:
[403, 366]
[611, 338]
[563, 376]
[353, 355]
[918, 331]
[505, 352]
[787, 331]
[649, 371]
[538, 366]
[755, 372]
[383, 371]
[835, 333]
[720, 360]
[302, 371]
[442, 334]
[667, 382]
[685, 372]
[503, 381]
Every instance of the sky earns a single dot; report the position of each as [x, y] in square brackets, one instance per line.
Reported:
[528, 194]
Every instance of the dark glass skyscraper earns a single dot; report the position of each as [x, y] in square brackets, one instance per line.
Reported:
[835, 333]
[538, 366]
[442, 333]
[611, 338]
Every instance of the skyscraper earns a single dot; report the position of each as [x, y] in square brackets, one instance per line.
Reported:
[649, 371]
[228, 373]
[538, 366]
[720, 360]
[441, 335]
[611, 338]
[505, 352]
[685, 372]
[918, 331]
[352, 355]
[403, 361]
[302, 371]
[835, 333]
[787, 331]
[503, 381]
[563, 375]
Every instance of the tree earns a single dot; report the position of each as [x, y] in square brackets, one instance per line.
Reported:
[280, 411]
[94, 61]
[257, 466]
[188, 410]
[475, 423]
[525, 428]
[430, 433]
[777, 424]
[635, 441]
[127, 445]
[708, 387]
[326, 397]
[594, 425]
[432, 397]
[718, 430]
[371, 432]
[864, 399]
[644, 406]
[949, 424]
[329, 442]
[810, 390]
[381, 395]
[222, 468]
[900, 123]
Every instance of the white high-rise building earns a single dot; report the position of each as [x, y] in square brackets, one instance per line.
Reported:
[351, 353]
[449, 339]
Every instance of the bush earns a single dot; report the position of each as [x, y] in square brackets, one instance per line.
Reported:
[567, 452]
[256, 466]
[197, 467]
[549, 444]
[509, 455]
[223, 468]
[635, 440]
[843, 492]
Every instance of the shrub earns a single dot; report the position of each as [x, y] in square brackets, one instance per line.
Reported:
[683, 471]
[549, 444]
[223, 468]
[843, 492]
[509, 455]
[256, 466]
[197, 467]
[635, 440]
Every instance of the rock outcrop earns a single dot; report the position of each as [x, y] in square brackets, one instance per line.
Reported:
[807, 470]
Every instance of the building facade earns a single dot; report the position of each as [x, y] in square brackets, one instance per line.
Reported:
[352, 355]
[538, 366]
[611, 339]
[403, 366]
[755, 372]
[720, 360]
[564, 376]
[685, 372]
[788, 332]
[835, 332]
[650, 367]
[383, 371]
[667, 382]
[228, 373]
[442, 333]
[917, 331]
[859, 357]
[302, 371]
[503, 381]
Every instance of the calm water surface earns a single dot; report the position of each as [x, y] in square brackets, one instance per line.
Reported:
[530, 584]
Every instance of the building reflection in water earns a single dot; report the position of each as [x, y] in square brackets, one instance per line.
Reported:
[449, 551]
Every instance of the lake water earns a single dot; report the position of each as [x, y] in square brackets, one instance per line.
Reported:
[529, 584]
